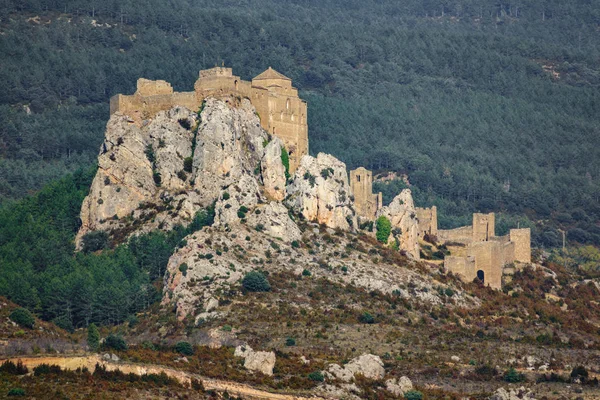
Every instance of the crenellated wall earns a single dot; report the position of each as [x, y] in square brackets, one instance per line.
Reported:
[427, 221]
[282, 113]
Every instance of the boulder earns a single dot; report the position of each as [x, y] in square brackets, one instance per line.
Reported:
[321, 193]
[273, 171]
[261, 361]
[512, 394]
[274, 220]
[399, 387]
[368, 365]
[405, 227]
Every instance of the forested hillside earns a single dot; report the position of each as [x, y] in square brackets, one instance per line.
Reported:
[486, 106]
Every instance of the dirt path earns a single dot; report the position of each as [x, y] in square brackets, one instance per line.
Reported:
[233, 388]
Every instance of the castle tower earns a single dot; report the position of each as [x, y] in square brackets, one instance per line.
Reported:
[282, 112]
[428, 221]
[484, 227]
[365, 202]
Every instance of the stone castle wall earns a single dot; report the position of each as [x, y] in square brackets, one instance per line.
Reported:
[366, 203]
[427, 221]
[522, 240]
[282, 113]
[484, 227]
[463, 235]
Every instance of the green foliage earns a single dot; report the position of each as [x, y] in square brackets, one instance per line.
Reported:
[579, 372]
[149, 152]
[306, 272]
[295, 244]
[188, 164]
[183, 268]
[366, 318]
[9, 367]
[285, 160]
[115, 342]
[22, 317]
[225, 196]
[255, 281]
[384, 228]
[241, 213]
[290, 342]
[326, 172]
[184, 348]
[312, 180]
[93, 338]
[94, 241]
[413, 395]
[316, 376]
[512, 376]
[16, 392]
[182, 175]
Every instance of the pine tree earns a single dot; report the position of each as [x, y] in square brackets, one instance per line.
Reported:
[93, 337]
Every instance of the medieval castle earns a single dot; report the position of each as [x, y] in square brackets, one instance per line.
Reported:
[281, 111]
[476, 252]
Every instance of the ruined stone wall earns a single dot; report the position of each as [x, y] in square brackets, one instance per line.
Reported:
[366, 203]
[427, 221]
[522, 240]
[490, 257]
[464, 235]
[484, 227]
[463, 266]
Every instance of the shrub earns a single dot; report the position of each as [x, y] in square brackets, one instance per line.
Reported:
[150, 154]
[512, 376]
[344, 269]
[182, 175]
[256, 282]
[188, 163]
[295, 244]
[115, 342]
[306, 272]
[316, 376]
[580, 373]
[183, 268]
[22, 317]
[94, 241]
[44, 369]
[64, 322]
[184, 348]
[290, 342]
[93, 337]
[157, 178]
[185, 123]
[384, 228]
[285, 160]
[413, 395]
[366, 318]
[11, 368]
[16, 392]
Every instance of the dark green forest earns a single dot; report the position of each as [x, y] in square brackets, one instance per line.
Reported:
[485, 106]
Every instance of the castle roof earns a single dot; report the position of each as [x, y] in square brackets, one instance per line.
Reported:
[270, 73]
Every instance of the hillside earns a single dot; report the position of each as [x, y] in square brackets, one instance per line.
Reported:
[483, 106]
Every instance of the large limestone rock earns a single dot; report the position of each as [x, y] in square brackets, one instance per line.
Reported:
[273, 170]
[368, 365]
[229, 144]
[261, 361]
[400, 386]
[512, 394]
[405, 228]
[273, 219]
[141, 168]
[243, 195]
[320, 191]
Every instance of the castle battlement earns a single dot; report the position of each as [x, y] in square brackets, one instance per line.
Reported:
[282, 113]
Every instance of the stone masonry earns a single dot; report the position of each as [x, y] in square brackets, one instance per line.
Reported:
[366, 203]
[282, 113]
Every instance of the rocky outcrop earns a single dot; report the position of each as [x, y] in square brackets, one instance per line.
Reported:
[161, 173]
[405, 228]
[273, 219]
[321, 193]
[399, 387]
[273, 171]
[260, 361]
[512, 394]
[368, 365]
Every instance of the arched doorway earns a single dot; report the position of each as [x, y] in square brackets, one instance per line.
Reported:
[481, 276]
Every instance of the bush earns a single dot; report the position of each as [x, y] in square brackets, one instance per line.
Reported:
[306, 272]
[366, 318]
[512, 376]
[45, 369]
[183, 268]
[182, 175]
[9, 367]
[384, 228]
[188, 163]
[295, 244]
[256, 282]
[413, 395]
[115, 342]
[285, 160]
[93, 337]
[290, 342]
[580, 373]
[65, 323]
[316, 376]
[23, 317]
[16, 392]
[184, 348]
[94, 241]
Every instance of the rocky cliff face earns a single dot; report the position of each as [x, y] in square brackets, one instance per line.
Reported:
[405, 227]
